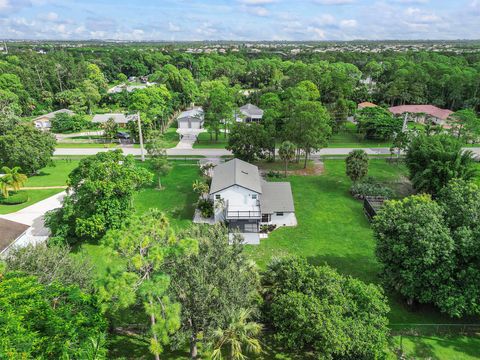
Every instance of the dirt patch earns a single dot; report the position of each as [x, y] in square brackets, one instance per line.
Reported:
[402, 187]
[316, 168]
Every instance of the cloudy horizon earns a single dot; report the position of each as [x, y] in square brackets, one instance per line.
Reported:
[240, 20]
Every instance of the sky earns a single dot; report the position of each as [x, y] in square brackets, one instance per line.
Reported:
[243, 20]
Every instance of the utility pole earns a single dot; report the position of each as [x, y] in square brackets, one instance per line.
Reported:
[405, 123]
[140, 136]
[6, 47]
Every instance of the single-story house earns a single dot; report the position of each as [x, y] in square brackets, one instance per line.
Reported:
[423, 113]
[191, 119]
[119, 118]
[249, 113]
[43, 122]
[10, 232]
[245, 201]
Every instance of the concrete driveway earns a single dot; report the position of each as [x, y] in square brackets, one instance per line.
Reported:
[187, 138]
[33, 216]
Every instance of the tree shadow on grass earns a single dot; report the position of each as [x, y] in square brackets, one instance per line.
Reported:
[359, 266]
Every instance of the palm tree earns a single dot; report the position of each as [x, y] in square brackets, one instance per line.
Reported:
[238, 338]
[286, 153]
[12, 178]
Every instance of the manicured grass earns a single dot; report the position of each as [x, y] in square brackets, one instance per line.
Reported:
[34, 196]
[332, 229]
[349, 139]
[176, 198]
[53, 175]
[85, 145]
[204, 142]
[436, 347]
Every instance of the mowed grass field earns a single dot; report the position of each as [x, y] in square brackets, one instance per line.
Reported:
[332, 230]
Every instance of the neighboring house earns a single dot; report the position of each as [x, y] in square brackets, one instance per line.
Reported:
[191, 119]
[365, 104]
[249, 113]
[423, 113]
[245, 201]
[10, 233]
[44, 122]
[129, 88]
[119, 118]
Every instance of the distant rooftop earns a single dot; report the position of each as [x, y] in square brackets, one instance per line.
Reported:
[52, 114]
[251, 111]
[422, 109]
[119, 118]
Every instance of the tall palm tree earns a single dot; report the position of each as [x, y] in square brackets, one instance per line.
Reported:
[12, 178]
[287, 153]
[238, 338]
[4, 187]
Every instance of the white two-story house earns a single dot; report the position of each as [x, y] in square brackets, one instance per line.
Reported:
[245, 201]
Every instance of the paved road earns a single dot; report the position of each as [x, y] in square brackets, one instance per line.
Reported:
[222, 152]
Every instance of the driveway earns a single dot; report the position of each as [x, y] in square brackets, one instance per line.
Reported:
[187, 138]
[33, 216]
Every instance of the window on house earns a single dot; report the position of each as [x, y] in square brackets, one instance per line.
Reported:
[279, 213]
[254, 196]
[265, 218]
[218, 197]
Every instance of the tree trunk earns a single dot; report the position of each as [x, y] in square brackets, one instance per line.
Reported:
[193, 347]
[152, 322]
[286, 167]
[159, 182]
[306, 158]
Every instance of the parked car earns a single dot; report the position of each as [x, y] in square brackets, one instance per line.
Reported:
[123, 135]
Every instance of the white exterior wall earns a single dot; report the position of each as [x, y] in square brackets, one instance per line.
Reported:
[237, 197]
[288, 219]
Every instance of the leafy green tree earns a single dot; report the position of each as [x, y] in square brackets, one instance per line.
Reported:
[465, 125]
[414, 247]
[147, 247]
[239, 338]
[65, 123]
[95, 75]
[212, 285]
[46, 321]
[218, 108]
[377, 123]
[112, 180]
[356, 165]
[158, 157]
[52, 264]
[247, 141]
[286, 151]
[316, 309]
[91, 94]
[460, 201]
[309, 127]
[433, 161]
[26, 147]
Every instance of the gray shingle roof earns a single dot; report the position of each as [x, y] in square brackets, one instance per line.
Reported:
[276, 197]
[192, 114]
[236, 172]
[251, 111]
[52, 114]
[9, 232]
[118, 118]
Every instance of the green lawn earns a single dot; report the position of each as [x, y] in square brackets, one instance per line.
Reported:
[34, 196]
[204, 142]
[54, 175]
[347, 138]
[84, 145]
[441, 348]
[333, 230]
[177, 197]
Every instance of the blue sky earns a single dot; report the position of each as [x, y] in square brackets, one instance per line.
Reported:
[240, 19]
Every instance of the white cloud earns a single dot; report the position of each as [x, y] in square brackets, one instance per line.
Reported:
[349, 23]
[257, 10]
[173, 28]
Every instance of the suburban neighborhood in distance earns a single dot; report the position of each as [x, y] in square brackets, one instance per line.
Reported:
[246, 179]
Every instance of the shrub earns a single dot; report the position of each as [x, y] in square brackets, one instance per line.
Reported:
[15, 199]
[274, 174]
[206, 207]
[370, 187]
[265, 229]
